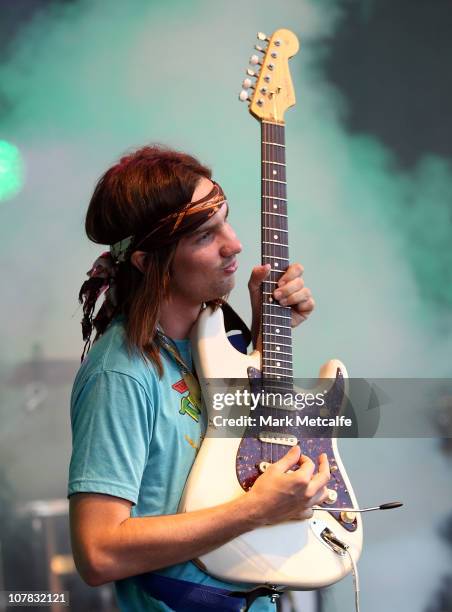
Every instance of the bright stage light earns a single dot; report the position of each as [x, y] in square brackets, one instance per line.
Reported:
[11, 170]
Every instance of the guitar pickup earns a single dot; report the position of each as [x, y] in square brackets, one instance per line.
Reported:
[271, 437]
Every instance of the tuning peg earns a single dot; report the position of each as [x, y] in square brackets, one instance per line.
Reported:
[251, 73]
[247, 83]
[254, 60]
[259, 48]
[243, 96]
[262, 36]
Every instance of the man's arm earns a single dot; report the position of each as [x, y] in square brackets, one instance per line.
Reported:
[109, 545]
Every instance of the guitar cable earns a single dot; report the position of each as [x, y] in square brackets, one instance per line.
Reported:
[341, 548]
[355, 579]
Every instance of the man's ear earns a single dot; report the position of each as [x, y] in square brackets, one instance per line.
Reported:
[138, 259]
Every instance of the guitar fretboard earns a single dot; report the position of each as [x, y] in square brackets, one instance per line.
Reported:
[276, 329]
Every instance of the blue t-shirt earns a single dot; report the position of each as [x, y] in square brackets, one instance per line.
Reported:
[135, 436]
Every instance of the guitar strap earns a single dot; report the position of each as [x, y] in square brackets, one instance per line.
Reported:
[234, 323]
[238, 335]
[185, 596]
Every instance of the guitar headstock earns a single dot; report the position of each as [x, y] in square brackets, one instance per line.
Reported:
[272, 92]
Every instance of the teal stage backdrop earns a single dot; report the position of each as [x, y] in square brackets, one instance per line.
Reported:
[369, 205]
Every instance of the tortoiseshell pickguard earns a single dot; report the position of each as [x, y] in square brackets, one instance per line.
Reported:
[252, 451]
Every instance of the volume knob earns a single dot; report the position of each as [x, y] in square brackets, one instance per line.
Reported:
[332, 496]
[348, 517]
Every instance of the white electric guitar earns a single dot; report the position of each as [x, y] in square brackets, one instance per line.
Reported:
[298, 554]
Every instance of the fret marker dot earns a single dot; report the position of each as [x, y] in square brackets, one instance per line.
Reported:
[278, 363]
[270, 299]
[275, 236]
[277, 348]
[275, 205]
[276, 264]
[277, 330]
[274, 172]
[278, 377]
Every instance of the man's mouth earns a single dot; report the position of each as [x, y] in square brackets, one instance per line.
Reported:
[232, 267]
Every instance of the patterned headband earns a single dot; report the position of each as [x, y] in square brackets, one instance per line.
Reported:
[171, 228]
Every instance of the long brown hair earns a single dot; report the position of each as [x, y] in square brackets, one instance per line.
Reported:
[128, 200]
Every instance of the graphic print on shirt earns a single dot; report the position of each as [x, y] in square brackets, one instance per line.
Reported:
[188, 404]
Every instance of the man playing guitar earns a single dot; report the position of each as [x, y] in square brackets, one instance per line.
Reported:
[136, 416]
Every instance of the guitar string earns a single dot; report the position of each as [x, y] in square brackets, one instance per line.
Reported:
[267, 188]
[272, 247]
[266, 138]
[273, 151]
[271, 135]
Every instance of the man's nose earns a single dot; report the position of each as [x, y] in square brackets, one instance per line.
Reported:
[231, 245]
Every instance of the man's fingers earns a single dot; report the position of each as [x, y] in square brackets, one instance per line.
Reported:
[299, 298]
[306, 514]
[307, 468]
[301, 312]
[293, 271]
[324, 465]
[318, 498]
[289, 460]
[288, 288]
[322, 478]
[258, 274]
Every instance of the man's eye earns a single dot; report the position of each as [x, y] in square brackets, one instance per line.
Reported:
[204, 236]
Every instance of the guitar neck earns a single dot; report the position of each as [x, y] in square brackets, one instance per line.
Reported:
[276, 329]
